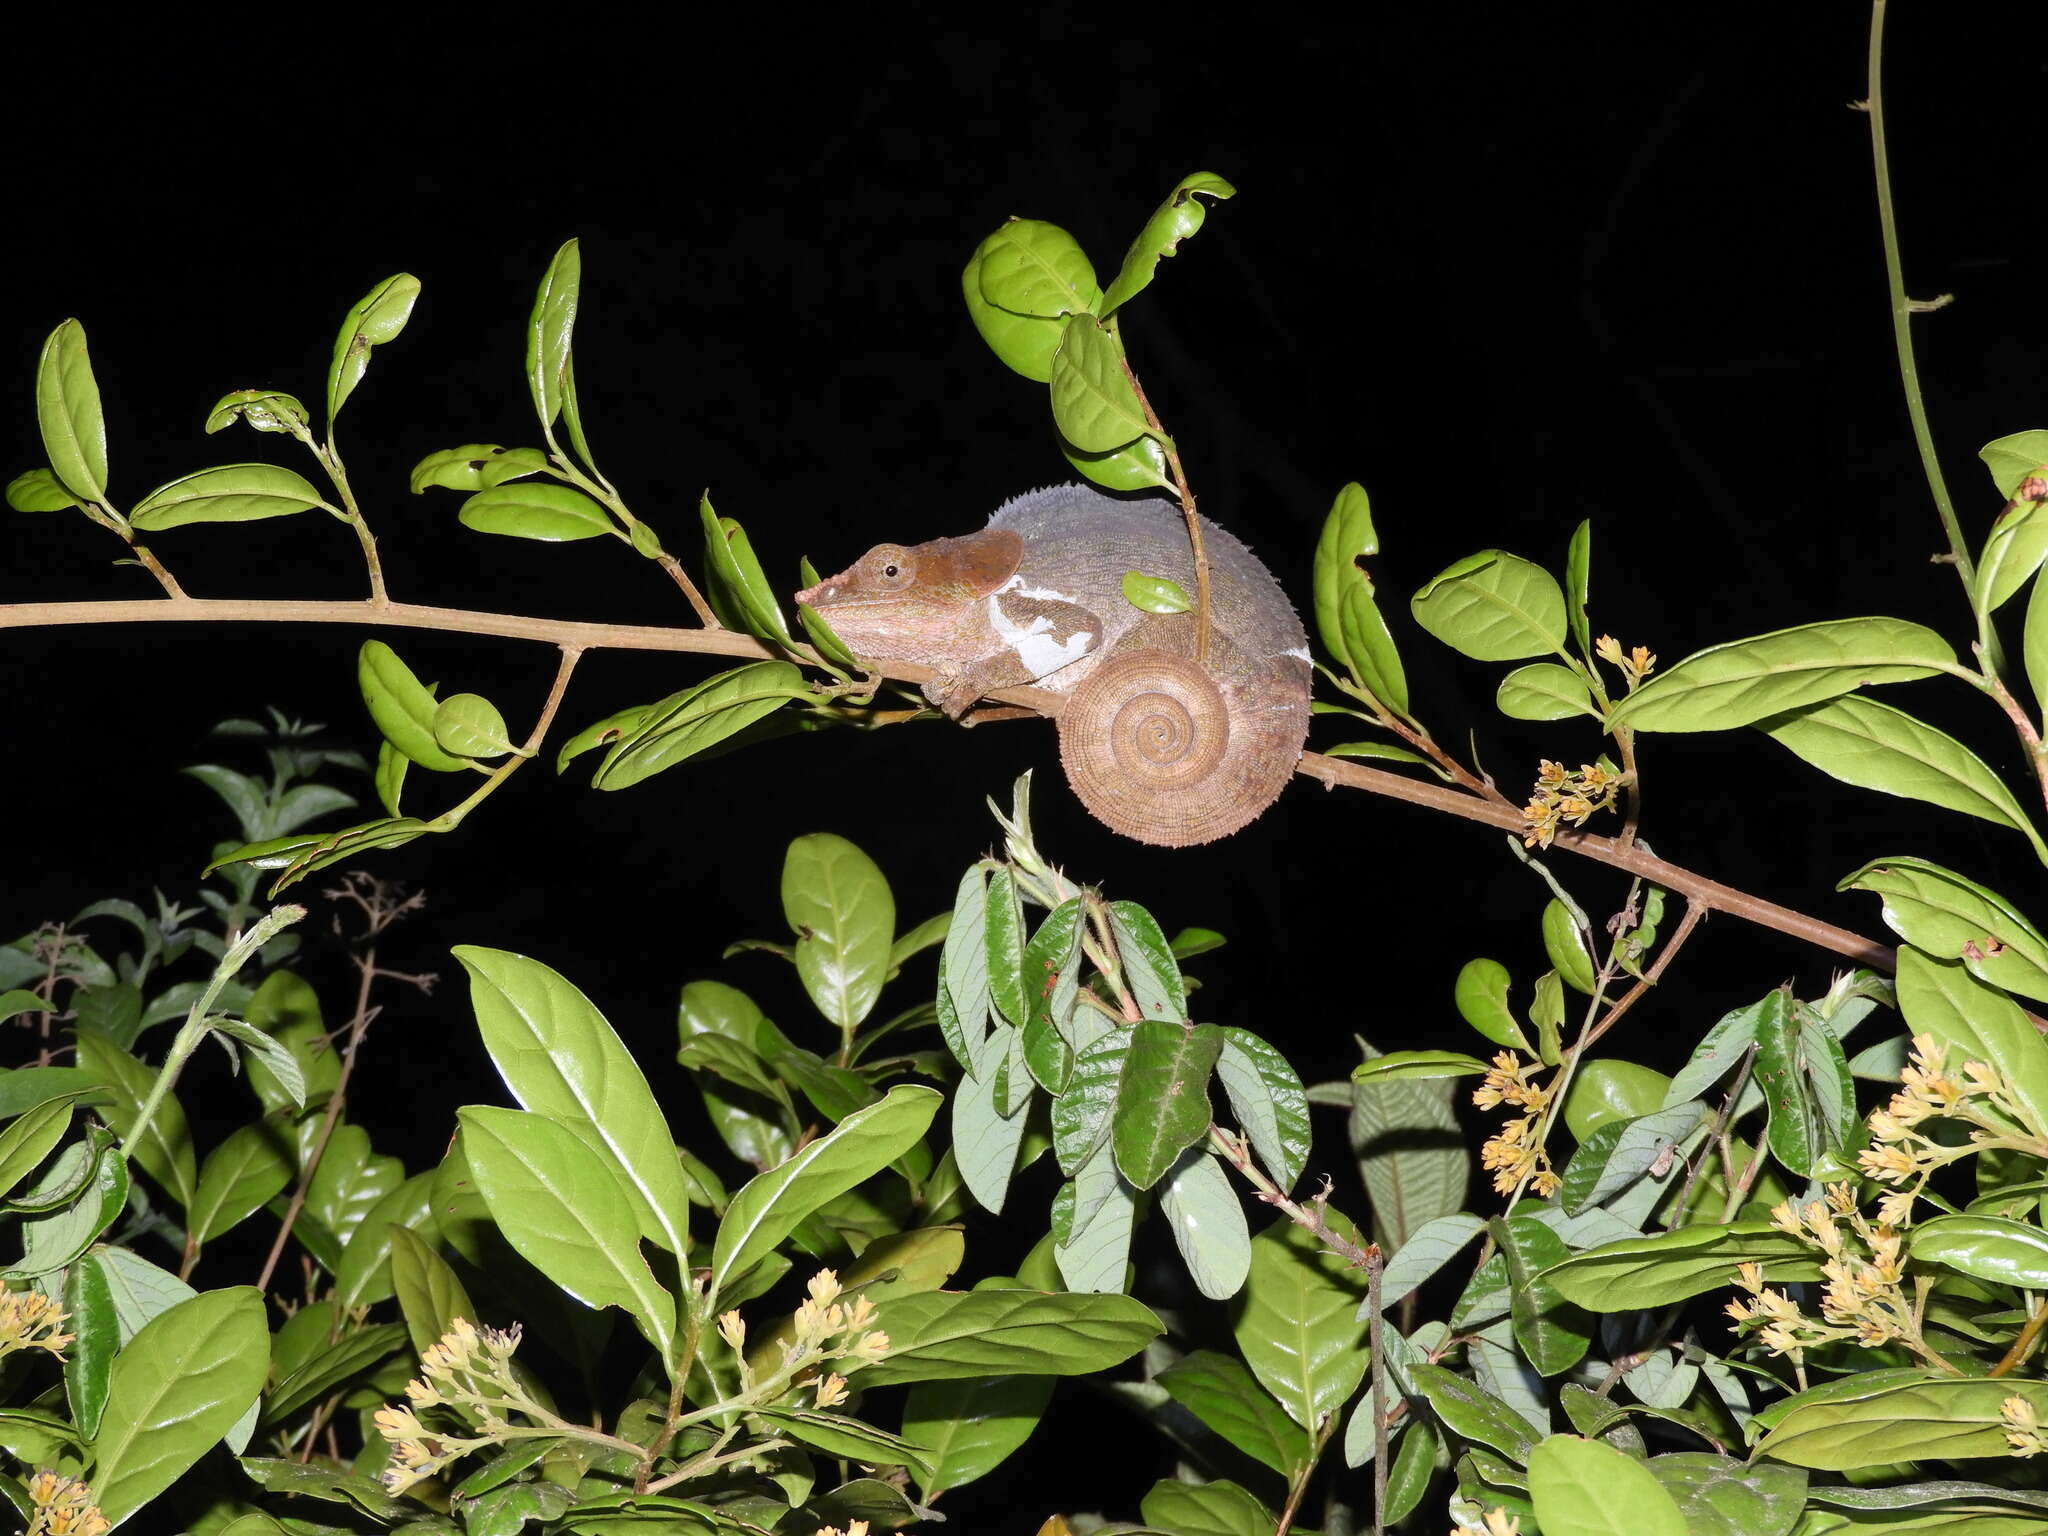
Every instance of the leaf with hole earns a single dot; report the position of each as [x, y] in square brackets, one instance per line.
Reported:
[1171, 222]
[377, 317]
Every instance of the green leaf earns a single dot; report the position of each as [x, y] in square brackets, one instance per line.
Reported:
[1985, 1248]
[738, 574]
[1025, 343]
[1740, 682]
[1804, 1075]
[1093, 403]
[1348, 616]
[1578, 573]
[1297, 1324]
[1720, 1496]
[95, 1325]
[1269, 1102]
[165, 1150]
[535, 509]
[551, 330]
[562, 1207]
[239, 1177]
[1219, 1391]
[1977, 1023]
[1544, 690]
[378, 317]
[430, 1296]
[234, 493]
[1137, 466]
[949, 1335]
[697, 719]
[1655, 1271]
[1944, 1418]
[1874, 746]
[560, 1057]
[176, 1389]
[1155, 594]
[1428, 1249]
[1219, 1508]
[364, 1275]
[1494, 606]
[1482, 998]
[1029, 267]
[771, 1205]
[837, 1435]
[1397, 1066]
[2014, 457]
[838, 903]
[1620, 1152]
[1081, 1115]
[402, 706]
[1162, 1105]
[968, 1427]
[68, 412]
[1587, 1488]
[1150, 969]
[1410, 1153]
[469, 725]
[475, 467]
[31, 1138]
[330, 1369]
[1553, 1334]
[1953, 918]
[1171, 222]
[266, 410]
[1004, 935]
[39, 490]
[1092, 1219]
[2013, 551]
[985, 1140]
[1565, 943]
[80, 1195]
[963, 999]
[2035, 643]
[1052, 977]
[1208, 1225]
[1471, 1414]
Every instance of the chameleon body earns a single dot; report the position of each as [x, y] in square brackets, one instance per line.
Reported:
[1159, 746]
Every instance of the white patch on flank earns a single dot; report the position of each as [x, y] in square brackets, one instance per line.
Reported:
[1301, 651]
[1012, 584]
[1041, 592]
[1033, 642]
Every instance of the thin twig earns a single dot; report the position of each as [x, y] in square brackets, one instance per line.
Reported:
[1651, 977]
[1187, 508]
[2012, 1357]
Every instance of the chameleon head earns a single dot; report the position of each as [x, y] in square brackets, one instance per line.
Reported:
[896, 600]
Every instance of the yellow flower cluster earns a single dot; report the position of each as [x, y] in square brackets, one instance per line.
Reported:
[823, 1326]
[31, 1320]
[63, 1506]
[1512, 1153]
[2023, 1431]
[1864, 1298]
[1903, 1154]
[1635, 666]
[1562, 796]
[469, 1368]
[856, 1528]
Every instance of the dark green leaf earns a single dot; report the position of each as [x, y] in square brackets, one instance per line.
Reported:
[697, 719]
[1162, 1105]
[239, 1177]
[730, 555]
[1297, 1324]
[1472, 1415]
[946, 1335]
[1224, 1395]
[1553, 1334]
[1268, 1101]
[1150, 969]
[968, 1427]
[1848, 1424]
[1585, 1488]
[1671, 1266]
[1220, 1508]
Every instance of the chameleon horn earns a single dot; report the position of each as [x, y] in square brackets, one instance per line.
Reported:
[1169, 752]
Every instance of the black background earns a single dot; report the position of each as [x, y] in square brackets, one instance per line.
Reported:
[1508, 266]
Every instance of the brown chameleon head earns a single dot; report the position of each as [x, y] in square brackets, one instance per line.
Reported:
[899, 595]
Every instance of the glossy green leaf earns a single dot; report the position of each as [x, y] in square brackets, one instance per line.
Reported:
[1269, 1102]
[1471, 1414]
[550, 332]
[697, 719]
[837, 1435]
[1946, 1418]
[350, 1181]
[1003, 933]
[1720, 1496]
[985, 1138]
[472, 467]
[563, 1208]
[1348, 616]
[1975, 1022]
[332, 1367]
[1030, 267]
[1611, 1089]
[1137, 466]
[239, 1177]
[1553, 1334]
[1565, 943]
[536, 509]
[1717, 1054]
[2012, 552]
[265, 410]
[968, 1427]
[1622, 1151]
[948, 1335]
[1954, 918]
[377, 317]
[39, 490]
[1494, 606]
[94, 1323]
[174, 1391]
[68, 413]
[1544, 690]
[1430, 1247]
[1171, 222]
[364, 1275]
[1155, 594]
[469, 725]
[559, 1056]
[30, 1138]
[430, 1295]
[2014, 457]
[1410, 1153]
[1150, 969]
[1162, 1104]
[1025, 342]
[838, 903]
[771, 1205]
[402, 706]
[1587, 1488]
[1874, 746]
[165, 1149]
[1093, 403]
[1740, 682]
[234, 493]
[1986, 1248]
[1671, 1266]
[1223, 1394]
[1219, 1508]
[737, 575]
[1396, 1066]
[1578, 577]
[1297, 1324]
[1482, 997]
[1207, 1221]
[81, 1194]
[2035, 644]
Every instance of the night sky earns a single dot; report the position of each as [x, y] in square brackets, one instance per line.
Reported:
[1508, 266]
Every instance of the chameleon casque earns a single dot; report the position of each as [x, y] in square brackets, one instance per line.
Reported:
[1157, 745]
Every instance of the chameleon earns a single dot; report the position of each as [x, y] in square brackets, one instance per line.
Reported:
[1157, 745]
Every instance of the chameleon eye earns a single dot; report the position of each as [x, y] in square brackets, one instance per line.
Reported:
[892, 567]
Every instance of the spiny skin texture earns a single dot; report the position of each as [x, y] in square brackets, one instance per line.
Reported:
[1160, 748]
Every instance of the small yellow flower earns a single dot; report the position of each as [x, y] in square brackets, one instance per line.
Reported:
[824, 1287]
[870, 1346]
[2022, 1427]
[31, 1320]
[831, 1391]
[733, 1329]
[1608, 649]
[1500, 1523]
[63, 1506]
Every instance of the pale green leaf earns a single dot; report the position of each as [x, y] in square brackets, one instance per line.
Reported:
[839, 905]
[1588, 1488]
[234, 493]
[1494, 606]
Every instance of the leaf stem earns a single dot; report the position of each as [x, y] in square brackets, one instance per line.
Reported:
[1187, 508]
[2013, 1356]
